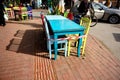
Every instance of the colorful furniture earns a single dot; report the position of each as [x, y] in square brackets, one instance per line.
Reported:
[55, 17]
[70, 16]
[50, 10]
[17, 13]
[42, 18]
[85, 21]
[9, 12]
[24, 13]
[50, 41]
[29, 9]
[21, 12]
[62, 26]
[65, 14]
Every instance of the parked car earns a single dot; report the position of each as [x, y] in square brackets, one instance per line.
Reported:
[102, 12]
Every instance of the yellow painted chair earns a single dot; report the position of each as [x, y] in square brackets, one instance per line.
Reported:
[85, 21]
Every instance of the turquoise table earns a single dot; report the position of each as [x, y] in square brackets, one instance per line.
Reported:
[54, 17]
[62, 26]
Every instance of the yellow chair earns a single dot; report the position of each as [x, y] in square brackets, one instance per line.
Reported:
[85, 21]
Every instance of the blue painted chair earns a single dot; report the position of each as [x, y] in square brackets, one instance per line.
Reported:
[50, 41]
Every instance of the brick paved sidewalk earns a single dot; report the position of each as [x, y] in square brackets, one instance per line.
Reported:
[23, 56]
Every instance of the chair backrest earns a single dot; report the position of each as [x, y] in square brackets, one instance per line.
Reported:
[24, 8]
[15, 8]
[85, 21]
[46, 29]
[50, 10]
[8, 8]
[65, 14]
[70, 16]
[42, 17]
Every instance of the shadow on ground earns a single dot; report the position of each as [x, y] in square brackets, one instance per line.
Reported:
[117, 36]
[35, 25]
[32, 42]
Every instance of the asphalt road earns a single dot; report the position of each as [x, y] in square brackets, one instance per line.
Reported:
[109, 35]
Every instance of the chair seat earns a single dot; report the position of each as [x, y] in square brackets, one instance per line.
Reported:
[60, 41]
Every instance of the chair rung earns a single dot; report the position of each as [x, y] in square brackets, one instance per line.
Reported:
[59, 49]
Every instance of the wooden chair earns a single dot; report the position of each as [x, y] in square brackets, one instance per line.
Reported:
[24, 13]
[9, 12]
[17, 13]
[70, 16]
[42, 19]
[50, 42]
[50, 10]
[85, 21]
[65, 14]
[21, 12]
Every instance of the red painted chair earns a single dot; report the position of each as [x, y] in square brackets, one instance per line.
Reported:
[70, 16]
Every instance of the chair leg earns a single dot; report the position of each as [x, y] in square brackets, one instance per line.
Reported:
[47, 45]
[65, 49]
[83, 47]
[20, 17]
[76, 44]
[50, 51]
[69, 43]
[61, 45]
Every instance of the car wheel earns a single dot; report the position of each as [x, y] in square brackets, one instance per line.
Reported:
[113, 19]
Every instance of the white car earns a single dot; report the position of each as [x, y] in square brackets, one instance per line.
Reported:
[104, 13]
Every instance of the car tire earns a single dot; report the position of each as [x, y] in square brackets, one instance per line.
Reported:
[113, 19]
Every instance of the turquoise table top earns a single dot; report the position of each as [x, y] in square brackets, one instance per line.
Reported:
[54, 17]
[64, 25]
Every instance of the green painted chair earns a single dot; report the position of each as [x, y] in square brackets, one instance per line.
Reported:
[24, 13]
[65, 14]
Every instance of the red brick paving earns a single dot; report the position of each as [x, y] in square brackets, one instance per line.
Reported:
[23, 56]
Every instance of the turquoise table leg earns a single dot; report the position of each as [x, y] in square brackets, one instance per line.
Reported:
[79, 45]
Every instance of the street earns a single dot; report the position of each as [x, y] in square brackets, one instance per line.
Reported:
[109, 35]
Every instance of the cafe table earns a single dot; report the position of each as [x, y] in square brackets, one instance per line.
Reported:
[62, 26]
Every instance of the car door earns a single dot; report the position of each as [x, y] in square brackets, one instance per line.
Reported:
[99, 11]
